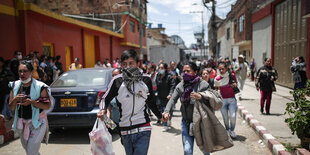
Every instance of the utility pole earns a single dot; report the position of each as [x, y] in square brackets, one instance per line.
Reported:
[140, 31]
[203, 38]
[213, 26]
[214, 30]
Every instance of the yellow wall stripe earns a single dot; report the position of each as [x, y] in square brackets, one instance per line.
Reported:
[7, 10]
[131, 44]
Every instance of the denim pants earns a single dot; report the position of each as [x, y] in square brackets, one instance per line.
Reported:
[187, 140]
[228, 111]
[137, 144]
[240, 85]
[163, 104]
[6, 110]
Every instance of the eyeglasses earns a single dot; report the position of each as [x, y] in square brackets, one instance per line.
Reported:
[23, 71]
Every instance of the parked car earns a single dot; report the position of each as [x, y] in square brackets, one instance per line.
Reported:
[76, 96]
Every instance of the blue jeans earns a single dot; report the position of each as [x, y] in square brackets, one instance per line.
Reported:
[137, 144]
[163, 104]
[228, 111]
[6, 110]
[187, 140]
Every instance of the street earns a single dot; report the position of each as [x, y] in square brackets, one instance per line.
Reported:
[76, 141]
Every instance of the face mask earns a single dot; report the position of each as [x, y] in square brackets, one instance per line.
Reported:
[209, 69]
[26, 81]
[19, 57]
[162, 72]
[188, 77]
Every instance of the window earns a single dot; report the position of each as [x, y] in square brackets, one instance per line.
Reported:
[228, 33]
[241, 23]
[48, 49]
[132, 26]
[235, 26]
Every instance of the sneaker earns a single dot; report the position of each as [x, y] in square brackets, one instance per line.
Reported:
[158, 122]
[233, 134]
[165, 129]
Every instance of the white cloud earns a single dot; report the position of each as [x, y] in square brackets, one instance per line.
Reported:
[153, 10]
[180, 10]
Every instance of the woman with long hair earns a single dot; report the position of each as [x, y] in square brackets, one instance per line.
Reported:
[187, 90]
[31, 100]
[225, 82]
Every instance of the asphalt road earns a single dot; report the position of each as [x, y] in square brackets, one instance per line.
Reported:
[76, 141]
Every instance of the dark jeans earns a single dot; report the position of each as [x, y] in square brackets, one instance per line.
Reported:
[252, 75]
[265, 95]
[137, 144]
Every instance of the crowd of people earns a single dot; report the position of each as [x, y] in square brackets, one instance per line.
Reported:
[147, 87]
[189, 81]
[45, 69]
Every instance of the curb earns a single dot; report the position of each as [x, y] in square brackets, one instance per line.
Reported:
[271, 142]
[6, 136]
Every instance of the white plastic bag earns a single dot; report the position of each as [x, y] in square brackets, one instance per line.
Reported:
[100, 139]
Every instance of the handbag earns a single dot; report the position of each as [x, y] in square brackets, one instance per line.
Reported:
[231, 81]
[101, 139]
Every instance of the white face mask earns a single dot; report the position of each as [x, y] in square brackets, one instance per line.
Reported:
[26, 81]
[209, 69]
[19, 57]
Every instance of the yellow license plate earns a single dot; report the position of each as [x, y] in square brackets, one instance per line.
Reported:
[72, 102]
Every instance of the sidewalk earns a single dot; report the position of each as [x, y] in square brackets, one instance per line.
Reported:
[271, 128]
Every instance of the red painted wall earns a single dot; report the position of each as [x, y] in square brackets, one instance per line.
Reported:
[133, 37]
[29, 30]
[43, 29]
[261, 14]
[9, 39]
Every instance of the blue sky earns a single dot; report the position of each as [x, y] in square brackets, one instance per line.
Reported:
[176, 17]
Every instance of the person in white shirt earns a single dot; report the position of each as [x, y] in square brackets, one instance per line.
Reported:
[242, 71]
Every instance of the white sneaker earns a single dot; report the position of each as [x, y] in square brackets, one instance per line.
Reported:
[165, 129]
[233, 134]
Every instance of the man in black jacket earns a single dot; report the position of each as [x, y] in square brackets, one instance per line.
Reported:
[165, 87]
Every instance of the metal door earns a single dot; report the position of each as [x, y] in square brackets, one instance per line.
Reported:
[290, 38]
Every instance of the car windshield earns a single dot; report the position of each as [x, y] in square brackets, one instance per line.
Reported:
[83, 78]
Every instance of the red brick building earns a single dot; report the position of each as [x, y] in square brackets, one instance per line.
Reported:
[242, 16]
[28, 27]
